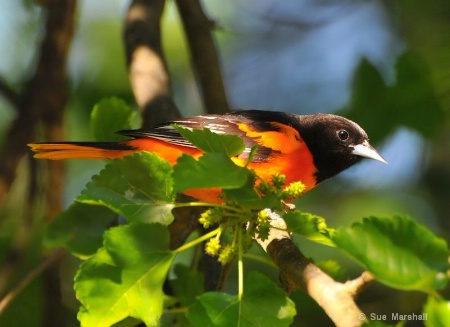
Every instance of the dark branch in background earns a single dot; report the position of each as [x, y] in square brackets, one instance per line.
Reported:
[54, 51]
[42, 102]
[46, 93]
[150, 82]
[206, 66]
[297, 271]
[147, 68]
[204, 55]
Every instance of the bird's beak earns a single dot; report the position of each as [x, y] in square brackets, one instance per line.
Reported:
[367, 151]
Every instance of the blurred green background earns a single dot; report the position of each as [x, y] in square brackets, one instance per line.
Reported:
[385, 64]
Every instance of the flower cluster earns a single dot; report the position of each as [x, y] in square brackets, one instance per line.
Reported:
[211, 217]
[263, 224]
[247, 222]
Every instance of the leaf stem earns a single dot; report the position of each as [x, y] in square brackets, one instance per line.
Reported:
[51, 259]
[240, 267]
[205, 204]
[198, 240]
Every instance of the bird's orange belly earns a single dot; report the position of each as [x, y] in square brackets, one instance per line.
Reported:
[298, 165]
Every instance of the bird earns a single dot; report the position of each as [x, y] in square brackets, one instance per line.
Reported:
[305, 148]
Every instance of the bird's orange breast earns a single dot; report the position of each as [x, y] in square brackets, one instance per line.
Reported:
[289, 156]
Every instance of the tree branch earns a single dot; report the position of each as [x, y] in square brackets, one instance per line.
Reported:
[45, 96]
[54, 51]
[147, 68]
[296, 271]
[42, 101]
[150, 82]
[204, 55]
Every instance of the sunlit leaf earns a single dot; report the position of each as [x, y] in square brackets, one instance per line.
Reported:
[210, 170]
[80, 229]
[398, 251]
[125, 278]
[204, 139]
[263, 304]
[138, 187]
[109, 116]
[310, 226]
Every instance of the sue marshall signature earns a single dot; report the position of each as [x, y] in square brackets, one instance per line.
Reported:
[393, 316]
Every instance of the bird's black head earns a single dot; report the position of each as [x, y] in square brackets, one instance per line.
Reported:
[335, 142]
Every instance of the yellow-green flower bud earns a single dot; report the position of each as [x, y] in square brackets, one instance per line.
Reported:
[293, 190]
[212, 247]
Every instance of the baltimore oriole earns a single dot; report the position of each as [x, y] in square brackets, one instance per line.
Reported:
[306, 148]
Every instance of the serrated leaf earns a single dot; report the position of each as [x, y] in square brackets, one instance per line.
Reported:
[398, 251]
[262, 304]
[437, 312]
[80, 229]
[125, 278]
[310, 226]
[109, 116]
[210, 170]
[207, 141]
[138, 187]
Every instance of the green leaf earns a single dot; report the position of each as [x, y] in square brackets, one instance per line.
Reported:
[437, 312]
[210, 170]
[248, 198]
[80, 229]
[398, 251]
[413, 92]
[109, 116]
[309, 226]
[262, 304]
[125, 278]
[375, 103]
[204, 139]
[138, 187]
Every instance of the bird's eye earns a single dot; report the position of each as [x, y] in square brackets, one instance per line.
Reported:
[343, 135]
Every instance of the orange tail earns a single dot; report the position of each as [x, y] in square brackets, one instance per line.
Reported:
[81, 150]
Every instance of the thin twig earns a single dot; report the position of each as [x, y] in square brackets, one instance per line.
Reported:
[357, 285]
[51, 259]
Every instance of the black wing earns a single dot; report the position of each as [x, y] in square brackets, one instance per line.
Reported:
[257, 120]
